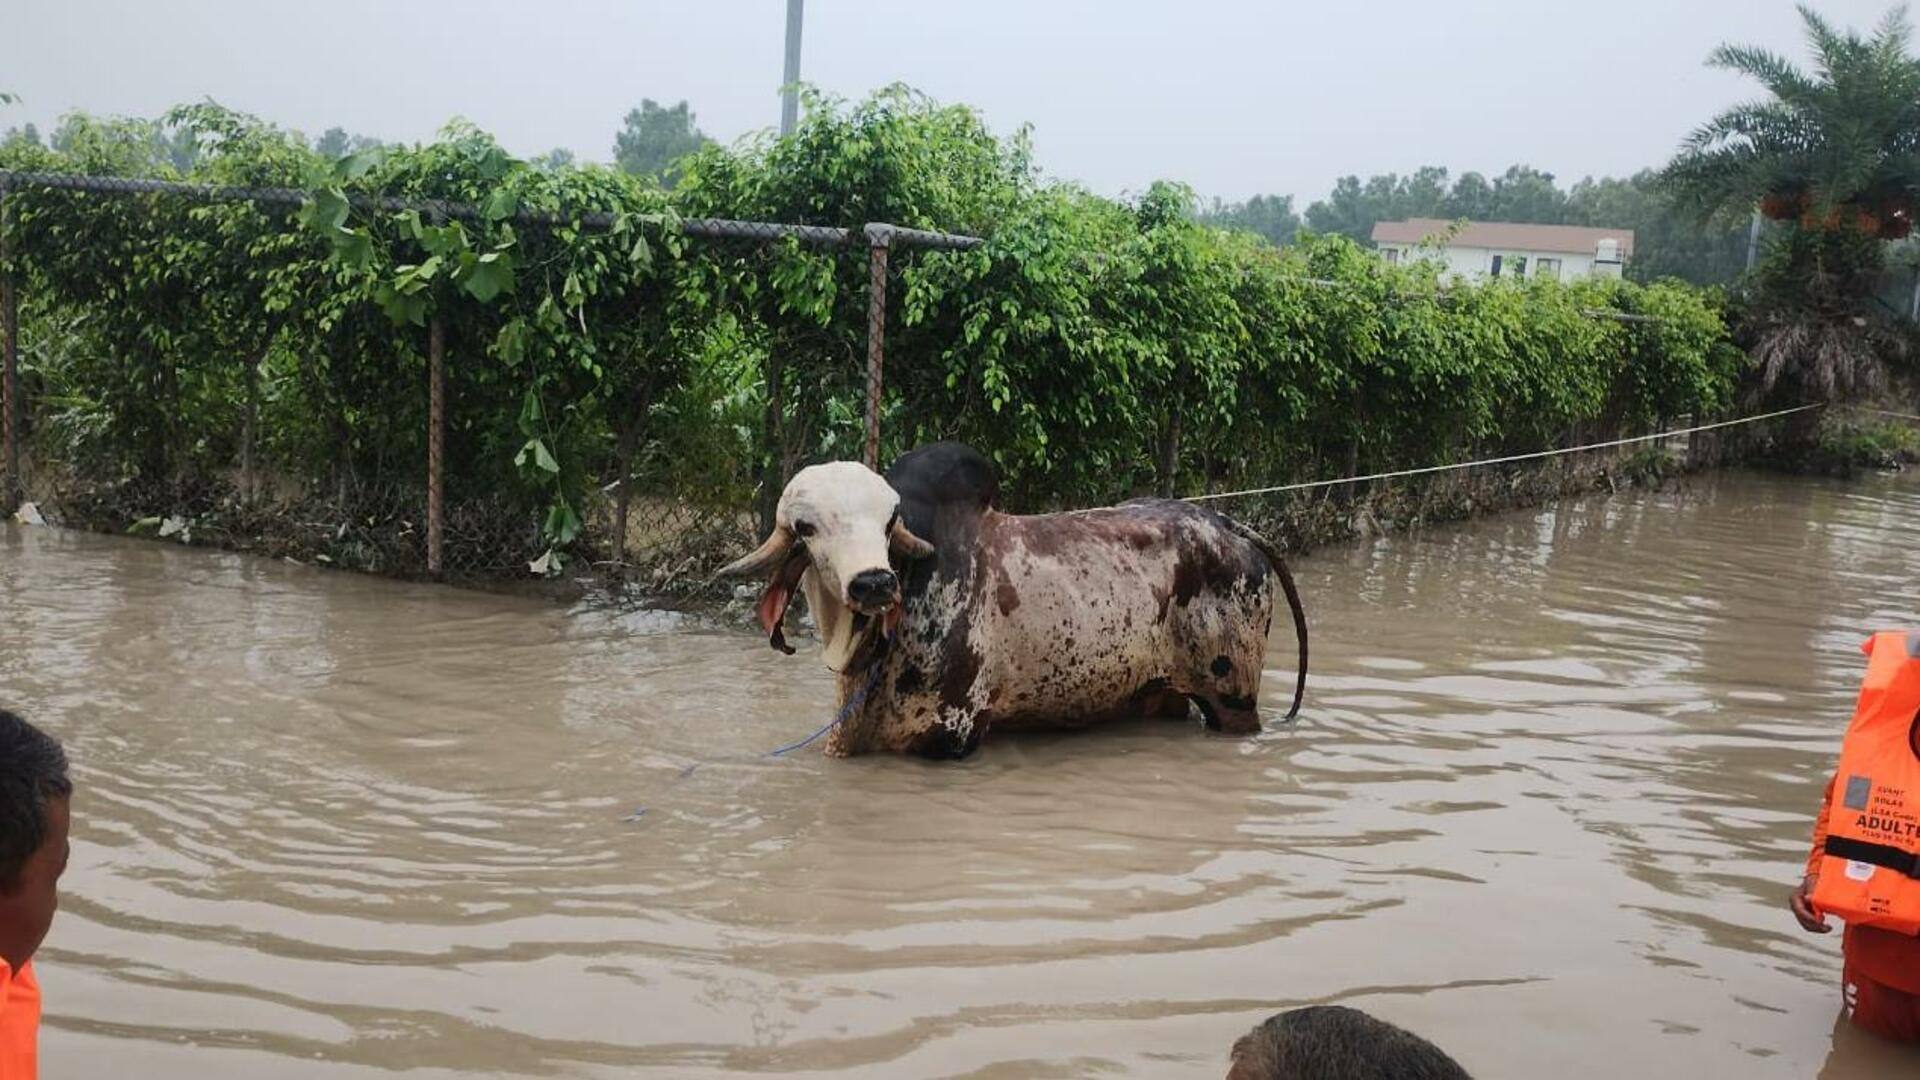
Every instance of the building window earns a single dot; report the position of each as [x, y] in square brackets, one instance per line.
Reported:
[1519, 266]
[1547, 268]
[1495, 271]
[1392, 255]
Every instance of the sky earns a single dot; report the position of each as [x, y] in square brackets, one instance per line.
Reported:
[1234, 98]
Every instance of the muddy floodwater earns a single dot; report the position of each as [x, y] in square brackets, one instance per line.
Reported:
[1555, 774]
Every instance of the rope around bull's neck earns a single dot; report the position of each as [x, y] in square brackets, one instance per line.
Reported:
[874, 671]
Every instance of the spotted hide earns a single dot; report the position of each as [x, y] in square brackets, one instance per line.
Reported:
[1017, 622]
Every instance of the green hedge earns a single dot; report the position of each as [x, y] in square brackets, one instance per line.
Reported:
[1094, 347]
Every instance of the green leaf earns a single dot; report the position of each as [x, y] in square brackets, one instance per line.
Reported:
[325, 211]
[500, 205]
[542, 458]
[562, 524]
[358, 164]
[492, 274]
[511, 343]
[494, 163]
[408, 308]
[532, 414]
[354, 248]
[445, 239]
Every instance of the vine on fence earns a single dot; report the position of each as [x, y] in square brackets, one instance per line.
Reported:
[252, 355]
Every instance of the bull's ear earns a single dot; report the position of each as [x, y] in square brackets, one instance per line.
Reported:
[762, 558]
[903, 542]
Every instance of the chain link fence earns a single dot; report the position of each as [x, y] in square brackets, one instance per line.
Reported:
[658, 521]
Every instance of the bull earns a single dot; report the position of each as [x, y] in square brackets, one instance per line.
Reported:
[945, 617]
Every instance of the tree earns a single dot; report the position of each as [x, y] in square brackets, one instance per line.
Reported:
[1471, 198]
[1669, 239]
[557, 158]
[1525, 194]
[1842, 138]
[183, 148]
[163, 147]
[1271, 216]
[1835, 152]
[654, 138]
[1353, 208]
[26, 134]
[336, 143]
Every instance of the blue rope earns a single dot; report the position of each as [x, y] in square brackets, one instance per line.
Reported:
[859, 697]
[846, 711]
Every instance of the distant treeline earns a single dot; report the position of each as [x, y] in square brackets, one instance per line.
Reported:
[1670, 239]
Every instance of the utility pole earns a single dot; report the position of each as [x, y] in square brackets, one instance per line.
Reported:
[790, 84]
[1753, 236]
[773, 473]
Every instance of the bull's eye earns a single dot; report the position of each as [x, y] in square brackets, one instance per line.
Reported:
[803, 528]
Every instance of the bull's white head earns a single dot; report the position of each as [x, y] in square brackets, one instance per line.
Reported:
[836, 527]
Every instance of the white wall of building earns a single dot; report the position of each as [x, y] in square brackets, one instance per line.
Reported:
[1476, 262]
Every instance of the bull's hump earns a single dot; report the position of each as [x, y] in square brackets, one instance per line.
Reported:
[944, 474]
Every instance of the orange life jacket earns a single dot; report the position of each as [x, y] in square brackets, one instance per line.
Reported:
[1870, 870]
[19, 1023]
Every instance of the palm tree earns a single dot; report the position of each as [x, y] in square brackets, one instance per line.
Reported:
[1835, 152]
[1844, 138]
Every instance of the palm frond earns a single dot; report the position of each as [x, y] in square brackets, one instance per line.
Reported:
[1768, 68]
[1893, 33]
[1829, 45]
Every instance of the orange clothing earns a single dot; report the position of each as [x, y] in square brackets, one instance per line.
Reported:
[1883, 956]
[1874, 1006]
[19, 1023]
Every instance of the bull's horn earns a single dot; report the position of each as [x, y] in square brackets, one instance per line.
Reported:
[762, 557]
[905, 543]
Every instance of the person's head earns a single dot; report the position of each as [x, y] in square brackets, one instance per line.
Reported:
[34, 798]
[1332, 1042]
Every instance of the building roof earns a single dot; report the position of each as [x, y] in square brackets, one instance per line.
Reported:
[1510, 236]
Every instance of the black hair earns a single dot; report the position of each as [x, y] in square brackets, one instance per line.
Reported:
[1332, 1042]
[33, 771]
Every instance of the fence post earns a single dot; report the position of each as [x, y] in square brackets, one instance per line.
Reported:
[249, 431]
[771, 478]
[436, 435]
[879, 239]
[15, 488]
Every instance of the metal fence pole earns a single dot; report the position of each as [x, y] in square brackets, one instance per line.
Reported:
[790, 75]
[250, 429]
[436, 436]
[773, 434]
[15, 488]
[877, 246]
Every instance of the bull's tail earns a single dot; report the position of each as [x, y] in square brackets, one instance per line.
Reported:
[1293, 600]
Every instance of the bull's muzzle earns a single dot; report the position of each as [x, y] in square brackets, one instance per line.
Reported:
[873, 591]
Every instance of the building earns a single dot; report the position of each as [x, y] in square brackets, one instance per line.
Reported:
[1487, 249]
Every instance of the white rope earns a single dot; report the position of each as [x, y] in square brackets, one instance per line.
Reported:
[1504, 460]
[1900, 415]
